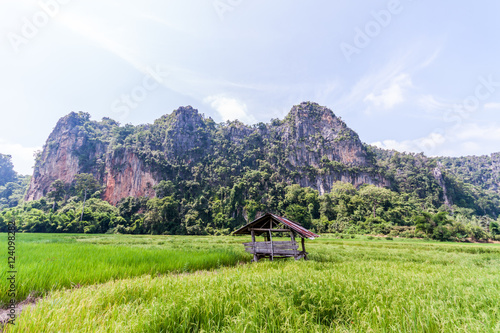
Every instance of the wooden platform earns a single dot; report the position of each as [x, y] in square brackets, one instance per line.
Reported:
[275, 249]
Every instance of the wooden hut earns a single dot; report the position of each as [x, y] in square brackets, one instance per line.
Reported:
[266, 226]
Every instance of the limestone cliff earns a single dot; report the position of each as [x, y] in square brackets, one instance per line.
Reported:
[57, 160]
[311, 147]
[318, 141]
[125, 176]
[78, 145]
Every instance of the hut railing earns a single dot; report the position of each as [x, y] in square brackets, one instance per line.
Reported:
[273, 248]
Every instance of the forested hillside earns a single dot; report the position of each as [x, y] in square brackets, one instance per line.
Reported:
[186, 174]
[482, 171]
[12, 185]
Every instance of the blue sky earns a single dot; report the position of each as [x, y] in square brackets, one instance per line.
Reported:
[410, 75]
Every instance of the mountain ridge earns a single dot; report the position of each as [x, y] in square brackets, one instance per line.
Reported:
[310, 147]
[307, 135]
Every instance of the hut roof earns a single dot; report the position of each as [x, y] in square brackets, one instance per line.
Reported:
[263, 220]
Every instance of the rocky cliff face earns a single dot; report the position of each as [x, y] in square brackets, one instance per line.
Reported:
[311, 147]
[57, 160]
[311, 132]
[77, 145]
[126, 176]
[438, 175]
[314, 137]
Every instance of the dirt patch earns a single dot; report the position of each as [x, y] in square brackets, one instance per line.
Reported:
[4, 313]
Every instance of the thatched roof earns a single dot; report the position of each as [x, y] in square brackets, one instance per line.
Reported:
[274, 220]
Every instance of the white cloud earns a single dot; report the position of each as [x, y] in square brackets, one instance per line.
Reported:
[492, 106]
[391, 96]
[466, 139]
[425, 144]
[430, 103]
[230, 108]
[477, 132]
[22, 157]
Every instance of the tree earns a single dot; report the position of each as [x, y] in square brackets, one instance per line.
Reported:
[299, 214]
[85, 185]
[495, 227]
[164, 189]
[375, 196]
[434, 225]
[7, 173]
[57, 193]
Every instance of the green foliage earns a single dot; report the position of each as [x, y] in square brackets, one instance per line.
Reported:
[85, 185]
[7, 173]
[470, 182]
[12, 185]
[495, 227]
[214, 178]
[12, 193]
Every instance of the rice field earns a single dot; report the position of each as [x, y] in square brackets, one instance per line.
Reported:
[355, 285]
[48, 262]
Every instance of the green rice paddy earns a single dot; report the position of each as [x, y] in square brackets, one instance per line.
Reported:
[111, 283]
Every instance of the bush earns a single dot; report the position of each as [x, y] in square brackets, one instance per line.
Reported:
[441, 233]
[394, 233]
[389, 238]
[478, 233]
[420, 234]
[407, 234]
[370, 237]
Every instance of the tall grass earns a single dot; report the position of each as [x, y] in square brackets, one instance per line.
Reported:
[51, 262]
[281, 297]
[348, 286]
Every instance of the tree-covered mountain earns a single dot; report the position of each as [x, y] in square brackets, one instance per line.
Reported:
[434, 180]
[311, 147]
[187, 174]
[481, 171]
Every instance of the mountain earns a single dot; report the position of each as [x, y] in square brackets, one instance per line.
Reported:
[311, 147]
[186, 174]
[482, 171]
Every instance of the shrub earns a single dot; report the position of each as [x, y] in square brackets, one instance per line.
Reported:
[389, 238]
[394, 233]
[407, 234]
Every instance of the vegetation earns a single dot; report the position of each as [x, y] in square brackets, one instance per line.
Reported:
[217, 177]
[481, 171]
[12, 185]
[354, 285]
[367, 210]
[48, 262]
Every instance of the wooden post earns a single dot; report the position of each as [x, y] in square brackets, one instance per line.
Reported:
[255, 257]
[304, 248]
[292, 237]
[272, 246]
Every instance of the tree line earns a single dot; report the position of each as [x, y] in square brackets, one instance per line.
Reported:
[187, 208]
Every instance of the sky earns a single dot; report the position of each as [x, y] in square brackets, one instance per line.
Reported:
[410, 75]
